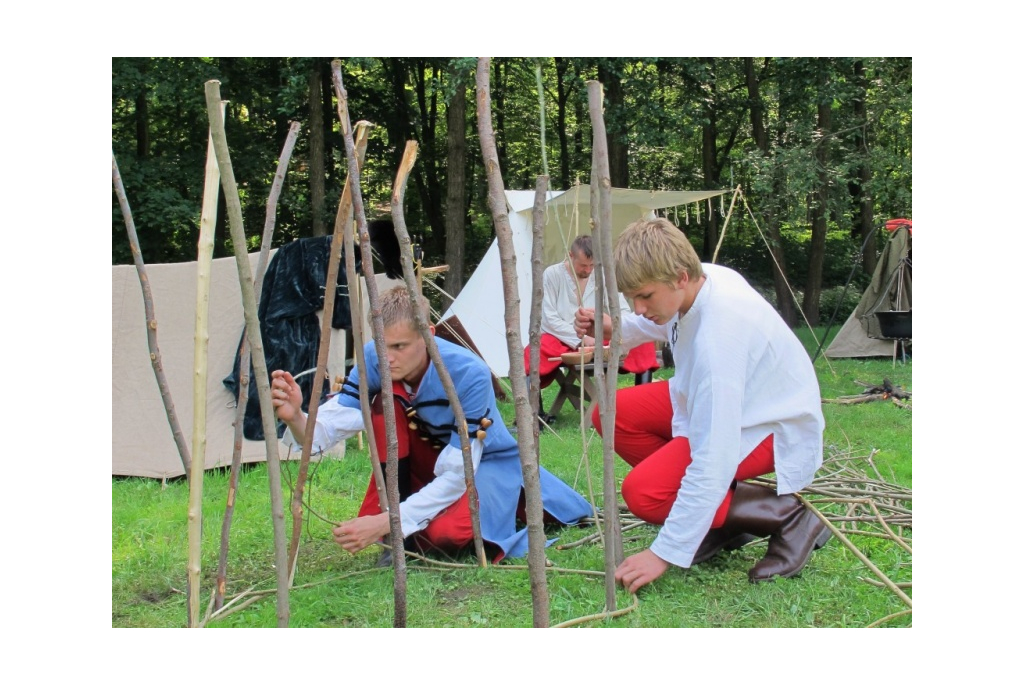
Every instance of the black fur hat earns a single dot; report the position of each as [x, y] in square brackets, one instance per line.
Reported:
[385, 246]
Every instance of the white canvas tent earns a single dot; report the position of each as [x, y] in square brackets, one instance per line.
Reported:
[142, 440]
[480, 307]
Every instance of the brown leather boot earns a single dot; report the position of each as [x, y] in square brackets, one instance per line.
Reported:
[732, 534]
[790, 547]
[719, 539]
[756, 511]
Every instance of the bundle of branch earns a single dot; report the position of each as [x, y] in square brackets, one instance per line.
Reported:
[854, 500]
[871, 393]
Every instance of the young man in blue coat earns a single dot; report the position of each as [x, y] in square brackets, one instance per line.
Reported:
[434, 503]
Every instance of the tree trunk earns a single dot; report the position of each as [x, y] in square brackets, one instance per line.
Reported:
[455, 210]
[498, 92]
[317, 192]
[863, 203]
[618, 148]
[786, 305]
[819, 219]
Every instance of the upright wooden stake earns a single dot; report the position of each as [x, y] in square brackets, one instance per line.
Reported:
[605, 293]
[517, 375]
[252, 332]
[243, 364]
[387, 392]
[147, 300]
[412, 283]
[330, 291]
[355, 299]
[204, 261]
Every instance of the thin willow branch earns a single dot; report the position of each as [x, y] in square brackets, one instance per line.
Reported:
[905, 612]
[878, 583]
[536, 301]
[597, 617]
[860, 555]
[243, 364]
[517, 374]
[250, 307]
[147, 300]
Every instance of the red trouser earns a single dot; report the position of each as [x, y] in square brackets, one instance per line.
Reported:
[643, 438]
[452, 527]
[639, 359]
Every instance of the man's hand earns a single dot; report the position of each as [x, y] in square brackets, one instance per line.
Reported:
[583, 322]
[285, 395]
[587, 341]
[358, 534]
[640, 569]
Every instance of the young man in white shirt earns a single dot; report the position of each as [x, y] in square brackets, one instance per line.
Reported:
[743, 402]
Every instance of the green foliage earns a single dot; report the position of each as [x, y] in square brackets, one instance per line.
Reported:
[664, 111]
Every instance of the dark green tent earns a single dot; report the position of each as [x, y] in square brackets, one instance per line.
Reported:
[889, 291]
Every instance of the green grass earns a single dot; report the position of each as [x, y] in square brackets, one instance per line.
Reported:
[150, 540]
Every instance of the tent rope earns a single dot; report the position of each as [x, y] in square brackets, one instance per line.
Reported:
[784, 279]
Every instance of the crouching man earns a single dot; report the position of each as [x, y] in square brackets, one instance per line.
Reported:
[743, 402]
[432, 489]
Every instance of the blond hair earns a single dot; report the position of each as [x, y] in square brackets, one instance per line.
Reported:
[395, 307]
[653, 251]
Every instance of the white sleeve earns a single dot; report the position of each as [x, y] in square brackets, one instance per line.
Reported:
[637, 330]
[334, 423]
[448, 485]
[553, 305]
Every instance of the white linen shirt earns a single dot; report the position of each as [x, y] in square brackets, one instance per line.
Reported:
[740, 375]
[559, 305]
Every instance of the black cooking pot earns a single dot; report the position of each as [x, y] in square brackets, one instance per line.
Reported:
[894, 325]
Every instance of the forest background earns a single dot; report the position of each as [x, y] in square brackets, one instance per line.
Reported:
[820, 146]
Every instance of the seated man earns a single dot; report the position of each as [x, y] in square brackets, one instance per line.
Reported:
[568, 287]
[743, 402]
[435, 504]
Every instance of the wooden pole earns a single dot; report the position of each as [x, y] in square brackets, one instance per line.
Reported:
[412, 282]
[252, 332]
[330, 291]
[537, 298]
[606, 293]
[355, 298]
[204, 264]
[147, 300]
[387, 392]
[243, 364]
[525, 421]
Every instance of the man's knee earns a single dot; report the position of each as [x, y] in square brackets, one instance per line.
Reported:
[642, 503]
